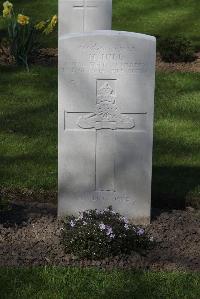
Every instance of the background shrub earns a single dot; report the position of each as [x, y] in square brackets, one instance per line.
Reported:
[100, 234]
[176, 49]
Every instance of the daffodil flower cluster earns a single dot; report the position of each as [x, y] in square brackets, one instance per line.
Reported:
[7, 9]
[47, 26]
[23, 35]
[50, 27]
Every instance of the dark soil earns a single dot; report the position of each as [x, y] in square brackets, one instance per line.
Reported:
[22, 194]
[30, 236]
[193, 66]
[45, 57]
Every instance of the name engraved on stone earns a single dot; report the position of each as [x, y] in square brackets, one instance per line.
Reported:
[121, 61]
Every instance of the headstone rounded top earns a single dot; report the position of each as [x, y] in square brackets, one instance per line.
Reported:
[84, 16]
[110, 33]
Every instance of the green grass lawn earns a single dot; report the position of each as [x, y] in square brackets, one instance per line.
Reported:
[74, 283]
[153, 17]
[28, 117]
[176, 159]
[158, 17]
[28, 133]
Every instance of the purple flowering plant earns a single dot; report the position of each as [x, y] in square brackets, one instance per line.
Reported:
[99, 234]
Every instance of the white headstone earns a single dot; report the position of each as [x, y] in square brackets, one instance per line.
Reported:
[84, 16]
[106, 105]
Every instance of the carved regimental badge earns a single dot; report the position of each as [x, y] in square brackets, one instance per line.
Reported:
[107, 114]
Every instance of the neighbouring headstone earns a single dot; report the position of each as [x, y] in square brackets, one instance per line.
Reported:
[84, 16]
[106, 106]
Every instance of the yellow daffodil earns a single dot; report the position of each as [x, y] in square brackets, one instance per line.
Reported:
[51, 25]
[54, 21]
[6, 13]
[7, 9]
[7, 5]
[40, 25]
[22, 20]
[48, 29]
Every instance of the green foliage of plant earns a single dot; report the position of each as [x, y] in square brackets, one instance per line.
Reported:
[23, 35]
[176, 49]
[100, 234]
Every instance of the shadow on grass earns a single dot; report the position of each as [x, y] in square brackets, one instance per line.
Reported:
[31, 106]
[31, 121]
[172, 187]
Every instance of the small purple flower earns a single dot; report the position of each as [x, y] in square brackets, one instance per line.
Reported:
[140, 232]
[112, 236]
[124, 219]
[126, 226]
[109, 230]
[72, 223]
[102, 226]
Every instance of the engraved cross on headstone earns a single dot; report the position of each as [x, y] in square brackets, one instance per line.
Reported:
[106, 118]
[84, 5]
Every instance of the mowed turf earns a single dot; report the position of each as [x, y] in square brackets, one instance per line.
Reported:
[176, 155]
[155, 17]
[159, 18]
[28, 133]
[76, 283]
